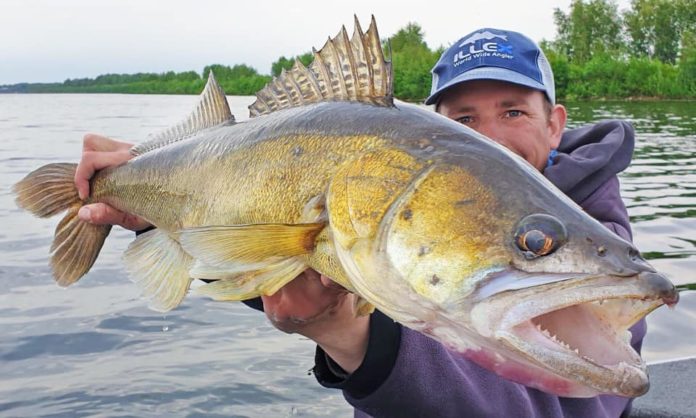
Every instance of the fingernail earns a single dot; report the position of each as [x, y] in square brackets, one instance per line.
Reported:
[85, 214]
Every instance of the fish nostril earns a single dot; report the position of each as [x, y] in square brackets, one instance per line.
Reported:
[636, 258]
[634, 255]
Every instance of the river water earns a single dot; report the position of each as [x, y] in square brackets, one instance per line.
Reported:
[96, 350]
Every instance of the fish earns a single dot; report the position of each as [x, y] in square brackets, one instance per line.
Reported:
[432, 223]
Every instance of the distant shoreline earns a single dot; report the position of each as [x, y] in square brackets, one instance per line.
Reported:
[4, 90]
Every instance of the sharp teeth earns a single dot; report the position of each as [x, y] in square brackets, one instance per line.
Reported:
[555, 339]
[589, 359]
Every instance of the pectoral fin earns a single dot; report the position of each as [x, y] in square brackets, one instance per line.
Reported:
[247, 247]
[251, 284]
[160, 267]
[204, 271]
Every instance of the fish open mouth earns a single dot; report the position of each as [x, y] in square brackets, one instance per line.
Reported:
[596, 331]
[572, 336]
[591, 342]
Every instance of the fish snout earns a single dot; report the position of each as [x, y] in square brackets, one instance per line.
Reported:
[627, 261]
[660, 286]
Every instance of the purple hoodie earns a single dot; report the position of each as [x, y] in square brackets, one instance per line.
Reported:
[406, 374]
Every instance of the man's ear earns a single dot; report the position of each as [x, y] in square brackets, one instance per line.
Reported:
[557, 123]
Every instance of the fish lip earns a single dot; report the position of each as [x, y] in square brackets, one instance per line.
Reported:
[638, 295]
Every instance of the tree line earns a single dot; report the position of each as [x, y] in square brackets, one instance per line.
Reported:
[647, 51]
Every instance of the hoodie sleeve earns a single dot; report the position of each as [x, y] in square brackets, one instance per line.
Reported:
[408, 374]
[429, 381]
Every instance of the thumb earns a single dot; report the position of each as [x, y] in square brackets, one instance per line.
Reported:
[103, 214]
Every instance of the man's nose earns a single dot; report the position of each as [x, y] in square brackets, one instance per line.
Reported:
[491, 130]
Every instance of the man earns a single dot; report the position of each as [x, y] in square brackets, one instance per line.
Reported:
[500, 84]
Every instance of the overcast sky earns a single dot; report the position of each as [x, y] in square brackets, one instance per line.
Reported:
[52, 40]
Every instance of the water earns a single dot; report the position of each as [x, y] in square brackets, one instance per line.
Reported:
[95, 349]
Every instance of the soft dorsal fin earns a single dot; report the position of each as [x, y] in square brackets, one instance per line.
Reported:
[344, 69]
[212, 110]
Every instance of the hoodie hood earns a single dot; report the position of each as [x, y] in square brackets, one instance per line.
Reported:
[591, 155]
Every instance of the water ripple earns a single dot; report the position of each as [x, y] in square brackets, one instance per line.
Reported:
[70, 344]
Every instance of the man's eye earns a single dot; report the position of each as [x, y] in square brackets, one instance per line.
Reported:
[464, 119]
[513, 113]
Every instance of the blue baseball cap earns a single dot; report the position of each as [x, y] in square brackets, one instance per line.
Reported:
[493, 54]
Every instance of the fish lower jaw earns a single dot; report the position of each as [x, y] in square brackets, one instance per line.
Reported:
[566, 372]
[587, 343]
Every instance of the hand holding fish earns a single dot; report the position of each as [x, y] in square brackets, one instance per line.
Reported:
[315, 306]
[100, 152]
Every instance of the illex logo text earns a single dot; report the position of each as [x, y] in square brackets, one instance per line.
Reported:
[483, 44]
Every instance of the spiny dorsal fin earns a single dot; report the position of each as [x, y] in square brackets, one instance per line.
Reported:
[344, 69]
[212, 110]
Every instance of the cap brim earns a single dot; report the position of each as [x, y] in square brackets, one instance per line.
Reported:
[488, 73]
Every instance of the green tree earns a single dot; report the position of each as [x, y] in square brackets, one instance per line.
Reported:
[409, 37]
[590, 27]
[411, 61]
[223, 72]
[655, 27]
[687, 63]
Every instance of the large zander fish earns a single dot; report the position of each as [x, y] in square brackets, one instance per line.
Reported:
[435, 225]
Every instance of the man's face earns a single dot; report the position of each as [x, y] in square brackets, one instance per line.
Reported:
[514, 116]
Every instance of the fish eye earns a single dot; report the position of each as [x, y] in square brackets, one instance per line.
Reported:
[536, 242]
[539, 235]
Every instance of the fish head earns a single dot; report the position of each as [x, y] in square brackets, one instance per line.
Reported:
[497, 264]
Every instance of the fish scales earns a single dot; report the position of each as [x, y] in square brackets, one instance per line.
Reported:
[265, 175]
